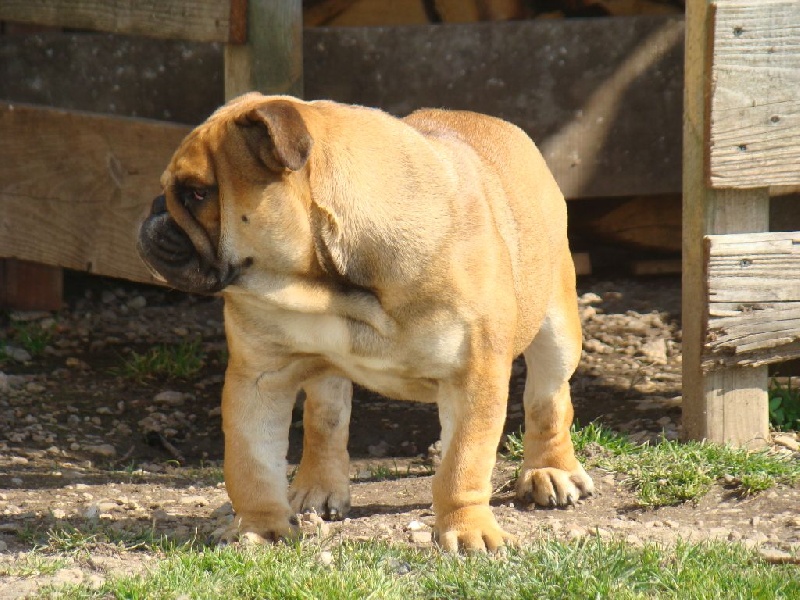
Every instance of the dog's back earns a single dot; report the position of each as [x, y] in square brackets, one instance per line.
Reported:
[530, 210]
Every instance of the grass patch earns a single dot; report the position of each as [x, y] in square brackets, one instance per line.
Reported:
[590, 568]
[784, 405]
[671, 472]
[182, 361]
[33, 337]
[66, 539]
[33, 564]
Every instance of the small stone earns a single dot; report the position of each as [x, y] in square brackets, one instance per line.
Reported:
[105, 450]
[18, 354]
[416, 526]
[787, 440]
[137, 302]
[225, 510]
[378, 450]
[59, 513]
[655, 351]
[170, 398]
[421, 537]
[775, 556]
[19, 460]
[597, 347]
[589, 298]
[195, 500]
[312, 524]
[325, 558]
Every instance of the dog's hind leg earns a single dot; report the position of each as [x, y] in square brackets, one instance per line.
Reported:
[550, 474]
[322, 482]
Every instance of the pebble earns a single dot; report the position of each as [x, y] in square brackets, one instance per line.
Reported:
[378, 450]
[170, 398]
[416, 526]
[325, 558]
[312, 524]
[787, 440]
[137, 302]
[195, 500]
[105, 450]
[655, 351]
[18, 354]
[421, 537]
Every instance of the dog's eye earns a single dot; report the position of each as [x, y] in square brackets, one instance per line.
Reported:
[192, 195]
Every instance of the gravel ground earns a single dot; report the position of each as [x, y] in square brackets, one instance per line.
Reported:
[84, 445]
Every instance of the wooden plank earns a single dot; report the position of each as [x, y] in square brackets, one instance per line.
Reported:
[199, 20]
[601, 97]
[755, 107]
[74, 185]
[272, 60]
[540, 75]
[727, 405]
[30, 286]
[656, 266]
[753, 268]
[113, 74]
[583, 263]
[754, 290]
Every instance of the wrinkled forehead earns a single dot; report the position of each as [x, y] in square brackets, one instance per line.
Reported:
[191, 164]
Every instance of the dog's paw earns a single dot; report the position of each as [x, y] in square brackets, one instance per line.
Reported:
[260, 528]
[329, 497]
[471, 529]
[553, 487]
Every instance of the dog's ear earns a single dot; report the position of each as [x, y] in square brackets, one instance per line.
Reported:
[277, 134]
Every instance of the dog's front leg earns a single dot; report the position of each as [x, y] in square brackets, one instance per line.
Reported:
[256, 416]
[472, 416]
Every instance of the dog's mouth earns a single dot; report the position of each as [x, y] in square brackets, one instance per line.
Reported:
[171, 256]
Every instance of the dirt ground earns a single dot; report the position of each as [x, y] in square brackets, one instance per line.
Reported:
[84, 445]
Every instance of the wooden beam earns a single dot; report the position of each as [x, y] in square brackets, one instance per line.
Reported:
[30, 286]
[727, 405]
[601, 97]
[272, 60]
[541, 75]
[755, 104]
[753, 283]
[74, 185]
[199, 20]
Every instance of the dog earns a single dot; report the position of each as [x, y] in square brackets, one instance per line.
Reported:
[417, 257]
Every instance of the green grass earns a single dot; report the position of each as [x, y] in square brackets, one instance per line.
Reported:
[66, 539]
[181, 361]
[784, 406]
[33, 336]
[590, 568]
[32, 564]
[671, 472]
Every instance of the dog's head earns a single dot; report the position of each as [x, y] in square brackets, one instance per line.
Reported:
[234, 193]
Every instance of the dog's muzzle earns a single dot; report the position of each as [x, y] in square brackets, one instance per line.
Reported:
[169, 253]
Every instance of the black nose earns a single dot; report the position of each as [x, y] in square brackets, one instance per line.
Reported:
[159, 205]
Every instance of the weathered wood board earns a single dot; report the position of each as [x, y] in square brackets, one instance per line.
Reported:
[601, 97]
[754, 122]
[73, 186]
[200, 20]
[725, 405]
[753, 283]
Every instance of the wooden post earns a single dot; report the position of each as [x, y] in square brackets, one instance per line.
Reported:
[271, 61]
[725, 405]
[30, 286]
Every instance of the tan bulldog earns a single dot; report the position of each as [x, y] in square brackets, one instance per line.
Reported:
[417, 257]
